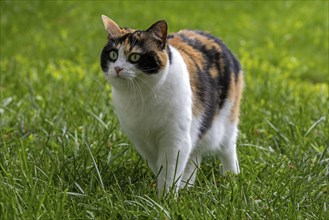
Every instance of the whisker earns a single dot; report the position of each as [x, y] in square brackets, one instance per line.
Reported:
[139, 93]
[130, 88]
[92, 78]
[150, 69]
[151, 87]
[139, 90]
[132, 97]
[95, 88]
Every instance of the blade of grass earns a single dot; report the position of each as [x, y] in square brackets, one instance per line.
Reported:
[95, 165]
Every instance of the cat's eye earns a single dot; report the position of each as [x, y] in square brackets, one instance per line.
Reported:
[113, 55]
[134, 57]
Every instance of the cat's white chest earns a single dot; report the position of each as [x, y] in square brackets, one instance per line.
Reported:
[138, 115]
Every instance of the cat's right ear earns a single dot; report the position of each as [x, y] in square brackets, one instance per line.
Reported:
[111, 27]
[159, 30]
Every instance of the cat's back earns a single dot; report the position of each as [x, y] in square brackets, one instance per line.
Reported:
[199, 40]
[204, 51]
[215, 73]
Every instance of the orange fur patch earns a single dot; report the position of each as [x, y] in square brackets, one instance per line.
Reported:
[235, 95]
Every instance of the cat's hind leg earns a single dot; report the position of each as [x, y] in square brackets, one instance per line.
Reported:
[228, 152]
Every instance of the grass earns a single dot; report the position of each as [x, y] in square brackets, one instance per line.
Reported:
[63, 155]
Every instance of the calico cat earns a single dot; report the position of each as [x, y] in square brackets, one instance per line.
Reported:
[177, 97]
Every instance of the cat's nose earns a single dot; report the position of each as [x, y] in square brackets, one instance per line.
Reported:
[118, 69]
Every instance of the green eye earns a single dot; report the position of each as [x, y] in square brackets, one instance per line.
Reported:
[134, 57]
[113, 55]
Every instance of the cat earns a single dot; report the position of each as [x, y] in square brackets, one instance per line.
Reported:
[177, 96]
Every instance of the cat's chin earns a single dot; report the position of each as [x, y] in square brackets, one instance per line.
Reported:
[119, 82]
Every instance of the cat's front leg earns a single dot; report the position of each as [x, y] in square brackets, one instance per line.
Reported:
[172, 158]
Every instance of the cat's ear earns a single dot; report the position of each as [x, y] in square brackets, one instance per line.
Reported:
[159, 30]
[111, 27]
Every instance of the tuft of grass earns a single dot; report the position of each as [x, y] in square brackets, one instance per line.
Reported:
[63, 155]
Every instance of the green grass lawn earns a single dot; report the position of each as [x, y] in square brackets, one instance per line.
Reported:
[63, 155]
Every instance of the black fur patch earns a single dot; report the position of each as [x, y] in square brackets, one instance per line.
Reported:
[169, 54]
[105, 57]
[149, 63]
[206, 91]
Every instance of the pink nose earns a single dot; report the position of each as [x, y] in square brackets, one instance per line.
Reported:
[118, 69]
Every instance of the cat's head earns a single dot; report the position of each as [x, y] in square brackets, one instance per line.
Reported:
[134, 54]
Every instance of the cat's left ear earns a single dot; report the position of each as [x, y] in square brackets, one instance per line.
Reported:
[159, 30]
[111, 27]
